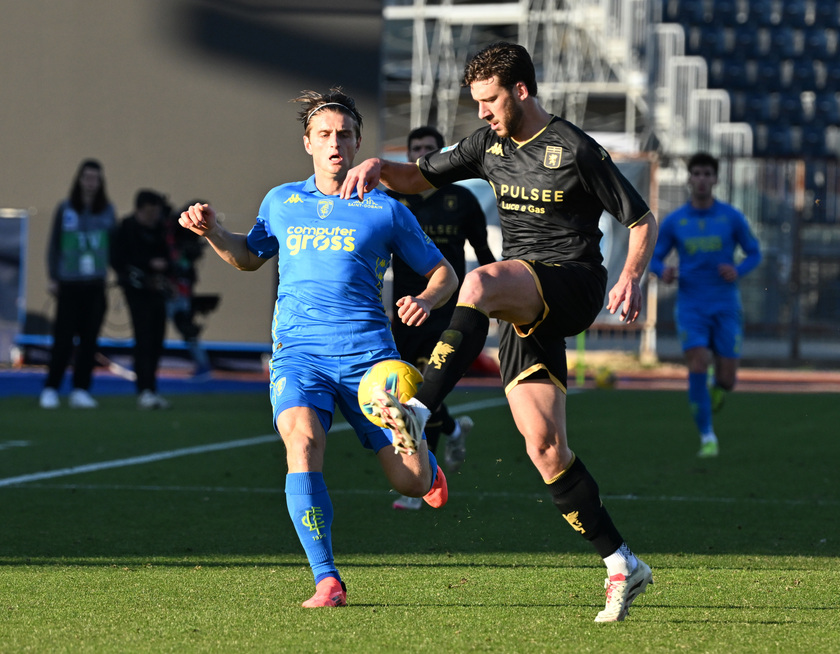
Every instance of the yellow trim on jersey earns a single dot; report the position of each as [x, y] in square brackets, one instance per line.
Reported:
[562, 472]
[417, 163]
[640, 219]
[544, 315]
[472, 306]
[520, 144]
[522, 376]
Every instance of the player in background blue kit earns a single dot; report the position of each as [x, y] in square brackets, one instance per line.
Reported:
[705, 232]
[329, 324]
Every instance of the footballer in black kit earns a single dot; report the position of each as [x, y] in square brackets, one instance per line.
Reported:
[450, 217]
[550, 193]
[552, 183]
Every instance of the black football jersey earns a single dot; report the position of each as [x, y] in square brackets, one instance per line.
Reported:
[550, 190]
[450, 216]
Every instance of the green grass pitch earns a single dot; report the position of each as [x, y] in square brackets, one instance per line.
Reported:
[123, 531]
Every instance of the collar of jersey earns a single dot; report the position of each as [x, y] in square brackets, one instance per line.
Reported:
[309, 187]
[519, 144]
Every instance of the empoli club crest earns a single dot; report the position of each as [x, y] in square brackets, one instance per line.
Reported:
[325, 208]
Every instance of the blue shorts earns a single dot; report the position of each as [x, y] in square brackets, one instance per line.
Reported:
[324, 382]
[717, 329]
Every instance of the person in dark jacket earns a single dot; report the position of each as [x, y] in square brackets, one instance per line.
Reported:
[140, 257]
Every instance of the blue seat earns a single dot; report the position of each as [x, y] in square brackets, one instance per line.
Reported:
[804, 75]
[745, 42]
[813, 142]
[754, 107]
[768, 75]
[761, 13]
[826, 14]
[826, 108]
[734, 74]
[705, 40]
[793, 13]
[779, 141]
[782, 42]
[690, 12]
[815, 43]
[790, 109]
[725, 12]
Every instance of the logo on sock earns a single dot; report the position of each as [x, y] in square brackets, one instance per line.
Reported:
[441, 351]
[313, 519]
[572, 519]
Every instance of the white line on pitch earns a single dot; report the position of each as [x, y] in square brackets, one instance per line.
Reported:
[199, 449]
[494, 495]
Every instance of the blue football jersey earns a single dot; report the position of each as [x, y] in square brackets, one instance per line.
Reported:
[332, 257]
[705, 238]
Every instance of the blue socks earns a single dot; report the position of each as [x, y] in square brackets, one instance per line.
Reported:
[311, 512]
[700, 401]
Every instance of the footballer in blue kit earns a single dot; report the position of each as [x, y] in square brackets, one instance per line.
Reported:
[706, 234]
[329, 324]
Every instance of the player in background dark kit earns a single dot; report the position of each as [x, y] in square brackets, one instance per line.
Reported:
[77, 263]
[552, 183]
[450, 216]
[706, 232]
[141, 258]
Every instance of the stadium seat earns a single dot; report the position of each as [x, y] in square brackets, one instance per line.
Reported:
[826, 14]
[782, 42]
[779, 141]
[768, 75]
[793, 13]
[813, 140]
[705, 40]
[761, 13]
[690, 12]
[745, 44]
[826, 109]
[804, 75]
[816, 43]
[790, 109]
[725, 12]
[733, 74]
[758, 107]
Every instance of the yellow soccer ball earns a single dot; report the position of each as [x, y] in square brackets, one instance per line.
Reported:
[399, 378]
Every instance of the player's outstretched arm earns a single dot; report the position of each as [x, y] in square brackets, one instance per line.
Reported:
[399, 176]
[201, 219]
[627, 293]
[442, 283]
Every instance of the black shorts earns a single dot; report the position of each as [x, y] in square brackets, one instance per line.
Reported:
[573, 295]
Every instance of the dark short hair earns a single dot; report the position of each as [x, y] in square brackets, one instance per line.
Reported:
[423, 132]
[337, 100]
[509, 63]
[703, 159]
[146, 197]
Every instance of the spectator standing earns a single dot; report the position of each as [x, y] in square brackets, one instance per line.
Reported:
[141, 258]
[77, 262]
